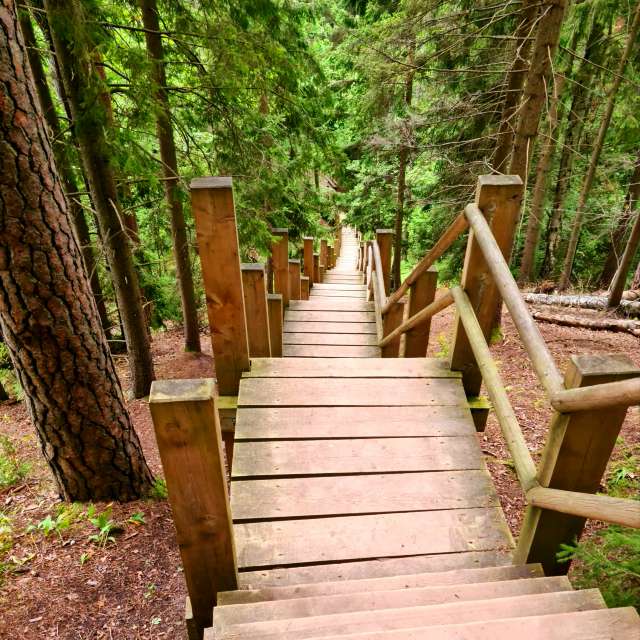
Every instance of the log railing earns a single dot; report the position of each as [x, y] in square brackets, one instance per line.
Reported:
[590, 403]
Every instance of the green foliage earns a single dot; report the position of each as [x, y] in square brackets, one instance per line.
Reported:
[12, 469]
[106, 527]
[64, 517]
[159, 489]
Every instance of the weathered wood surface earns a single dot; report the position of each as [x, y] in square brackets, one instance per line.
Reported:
[275, 308]
[330, 303]
[338, 293]
[330, 338]
[329, 316]
[330, 327]
[329, 351]
[280, 259]
[256, 308]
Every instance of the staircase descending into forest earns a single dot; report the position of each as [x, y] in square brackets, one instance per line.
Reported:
[360, 504]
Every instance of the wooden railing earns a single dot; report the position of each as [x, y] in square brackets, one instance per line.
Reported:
[590, 403]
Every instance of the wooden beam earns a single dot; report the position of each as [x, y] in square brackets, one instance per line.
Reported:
[308, 258]
[274, 301]
[295, 292]
[384, 238]
[187, 428]
[280, 257]
[499, 198]
[574, 459]
[255, 304]
[324, 254]
[422, 293]
[304, 288]
[215, 220]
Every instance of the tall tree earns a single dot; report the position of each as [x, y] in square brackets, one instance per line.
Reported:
[48, 315]
[587, 183]
[170, 173]
[84, 88]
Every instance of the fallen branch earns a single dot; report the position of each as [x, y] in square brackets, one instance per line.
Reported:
[598, 324]
[599, 303]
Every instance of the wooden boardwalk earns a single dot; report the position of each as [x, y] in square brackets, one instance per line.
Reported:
[348, 465]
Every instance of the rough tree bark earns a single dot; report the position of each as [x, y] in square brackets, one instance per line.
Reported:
[619, 233]
[515, 81]
[170, 172]
[84, 91]
[587, 183]
[63, 163]
[48, 315]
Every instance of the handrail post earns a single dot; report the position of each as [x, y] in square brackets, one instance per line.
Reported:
[574, 459]
[324, 254]
[499, 198]
[332, 258]
[294, 280]
[217, 234]
[275, 309]
[307, 253]
[421, 294]
[365, 257]
[304, 288]
[187, 428]
[385, 242]
[316, 268]
[280, 256]
[391, 321]
[255, 304]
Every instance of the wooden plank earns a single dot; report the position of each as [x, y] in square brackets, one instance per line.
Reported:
[323, 303]
[308, 259]
[371, 455]
[295, 285]
[351, 422]
[421, 294]
[215, 220]
[337, 293]
[340, 287]
[343, 495]
[373, 368]
[330, 338]
[283, 542]
[330, 327]
[187, 428]
[329, 351]
[337, 278]
[274, 301]
[280, 259]
[361, 585]
[330, 316]
[376, 568]
[255, 304]
[326, 605]
[361, 392]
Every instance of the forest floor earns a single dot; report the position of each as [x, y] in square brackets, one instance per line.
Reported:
[55, 582]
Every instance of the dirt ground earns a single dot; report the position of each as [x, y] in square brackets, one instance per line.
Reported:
[65, 586]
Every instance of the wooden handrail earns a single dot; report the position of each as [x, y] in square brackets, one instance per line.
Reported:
[599, 396]
[451, 234]
[543, 363]
[625, 512]
[442, 302]
[522, 460]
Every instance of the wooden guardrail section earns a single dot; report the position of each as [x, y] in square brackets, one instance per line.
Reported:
[346, 468]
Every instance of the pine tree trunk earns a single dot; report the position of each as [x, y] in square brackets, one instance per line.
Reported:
[515, 81]
[83, 89]
[527, 266]
[619, 233]
[171, 180]
[635, 283]
[587, 183]
[48, 315]
[620, 279]
[63, 163]
[535, 93]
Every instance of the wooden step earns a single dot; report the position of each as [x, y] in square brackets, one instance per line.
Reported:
[330, 327]
[339, 287]
[472, 611]
[605, 624]
[329, 351]
[338, 587]
[226, 616]
[348, 339]
[337, 293]
[327, 303]
[329, 316]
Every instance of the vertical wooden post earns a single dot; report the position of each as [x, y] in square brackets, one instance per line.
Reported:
[499, 198]
[215, 219]
[338, 242]
[280, 257]
[316, 267]
[324, 254]
[332, 261]
[421, 294]
[365, 257]
[574, 459]
[255, 304]
[392, 320]
[294, 280]
[308, 259]
[187, 428]
[274, 301]
[304, 288]
[385, 242]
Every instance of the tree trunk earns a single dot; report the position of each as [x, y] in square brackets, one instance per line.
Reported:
[47, 312]
[515, 81]
[595, 154]
[527, 266]
[596, 324]
[83, 88]
[170, 173]
[630, 203]
[535, 93]
[620, 279]
[627, 307]
[635, 283]
[63, 163]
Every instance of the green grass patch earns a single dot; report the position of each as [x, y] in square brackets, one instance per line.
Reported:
[12, 469]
